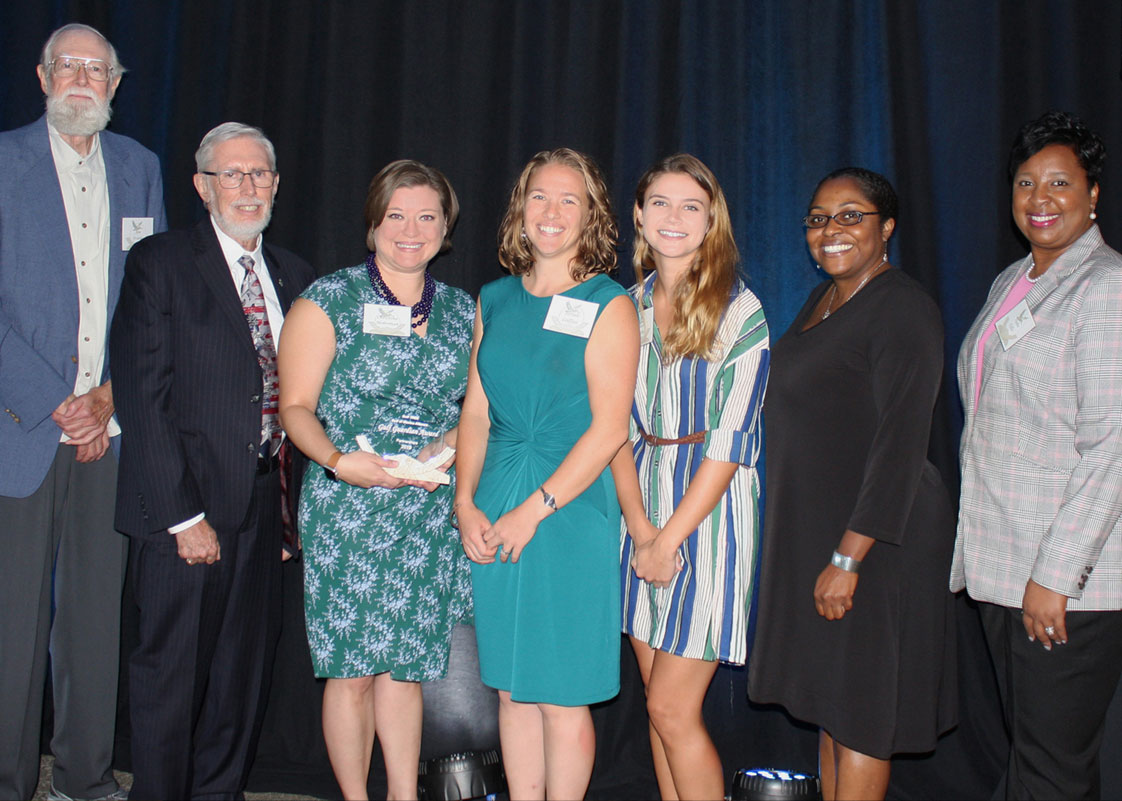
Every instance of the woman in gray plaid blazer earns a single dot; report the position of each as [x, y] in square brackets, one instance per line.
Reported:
[1039, 542]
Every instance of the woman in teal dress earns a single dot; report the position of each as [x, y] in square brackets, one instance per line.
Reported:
[379, 351]
[553, 366]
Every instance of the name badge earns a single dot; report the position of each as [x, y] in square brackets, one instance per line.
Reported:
[571, 316]
[646, 326]
[1015, 325]
[133, 229]
[387, 320]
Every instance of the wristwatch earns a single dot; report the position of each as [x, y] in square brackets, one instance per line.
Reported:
[548, 499]
[330, 467]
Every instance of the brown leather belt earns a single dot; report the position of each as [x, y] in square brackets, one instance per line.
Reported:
[688, 439]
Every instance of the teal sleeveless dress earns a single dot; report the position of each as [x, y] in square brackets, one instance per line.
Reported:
[548, 626]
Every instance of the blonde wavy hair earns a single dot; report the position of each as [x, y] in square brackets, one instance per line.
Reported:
[702, 294]
[596, 250]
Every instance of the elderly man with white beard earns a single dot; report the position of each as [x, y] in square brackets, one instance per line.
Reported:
[74, 199]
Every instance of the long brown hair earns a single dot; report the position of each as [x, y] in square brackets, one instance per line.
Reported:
[596, 250]
[702, 294]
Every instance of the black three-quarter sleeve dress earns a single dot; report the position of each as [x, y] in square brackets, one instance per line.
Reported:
[847, 425]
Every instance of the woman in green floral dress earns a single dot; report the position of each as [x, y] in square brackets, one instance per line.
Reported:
[379, 352]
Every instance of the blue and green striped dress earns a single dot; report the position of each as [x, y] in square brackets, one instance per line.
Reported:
[703, 614]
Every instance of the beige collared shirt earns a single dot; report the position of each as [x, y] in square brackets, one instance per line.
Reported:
[85, 196]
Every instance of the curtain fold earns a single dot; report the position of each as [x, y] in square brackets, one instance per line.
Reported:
[772, 94]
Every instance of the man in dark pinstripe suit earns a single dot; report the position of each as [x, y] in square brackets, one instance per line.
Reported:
[199, 488]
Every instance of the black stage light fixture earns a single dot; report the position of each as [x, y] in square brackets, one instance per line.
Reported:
[771, 784]
[461, 776]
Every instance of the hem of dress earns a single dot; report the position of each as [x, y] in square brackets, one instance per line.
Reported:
[839, 734]
[395, 674]
[532, 697]
[720, 659]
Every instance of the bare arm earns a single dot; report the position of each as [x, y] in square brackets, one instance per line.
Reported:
[471, 451]
[611, 361]
[626, 478]
[736, 398]
[656, 561]
[307, 349]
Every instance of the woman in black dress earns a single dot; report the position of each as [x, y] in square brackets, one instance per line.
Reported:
[849, 488]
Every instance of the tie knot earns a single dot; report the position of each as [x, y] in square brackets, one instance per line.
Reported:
[246, 261]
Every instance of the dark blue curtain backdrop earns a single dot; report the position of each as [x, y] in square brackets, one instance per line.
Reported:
[772, 94]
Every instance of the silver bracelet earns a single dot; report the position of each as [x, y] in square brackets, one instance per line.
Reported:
[846, 563]
[548, 499]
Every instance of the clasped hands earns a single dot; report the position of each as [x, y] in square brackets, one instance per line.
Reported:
[84, 419]
[651, 558]
[506, 538]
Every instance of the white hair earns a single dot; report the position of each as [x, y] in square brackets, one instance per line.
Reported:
[224, 133]
[75, 27]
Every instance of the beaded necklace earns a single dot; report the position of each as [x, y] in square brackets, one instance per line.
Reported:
[421, 309]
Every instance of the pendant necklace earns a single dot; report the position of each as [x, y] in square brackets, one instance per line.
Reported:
[865, 280]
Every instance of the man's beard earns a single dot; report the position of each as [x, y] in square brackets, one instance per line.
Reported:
[75, 118]
[244, 231]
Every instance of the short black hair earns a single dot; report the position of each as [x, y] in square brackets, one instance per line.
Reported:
[1059, 128]
[874, 186]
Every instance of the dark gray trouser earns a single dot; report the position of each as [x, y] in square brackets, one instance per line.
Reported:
[1055, 702]
[58, 549]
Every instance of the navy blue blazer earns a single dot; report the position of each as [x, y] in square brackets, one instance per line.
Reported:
[39, 291]
[187, 382]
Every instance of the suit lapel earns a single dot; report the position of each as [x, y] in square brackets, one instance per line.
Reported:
[283, 282]
[1044, 286]
[215, 274]
[993, 302]
[1067, 263]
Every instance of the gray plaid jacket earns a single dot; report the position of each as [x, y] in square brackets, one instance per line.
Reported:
[1041, 452]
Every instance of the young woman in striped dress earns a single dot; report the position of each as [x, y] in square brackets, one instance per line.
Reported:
[688, 486]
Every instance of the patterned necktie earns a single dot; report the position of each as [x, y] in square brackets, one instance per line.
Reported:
[253, 303]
